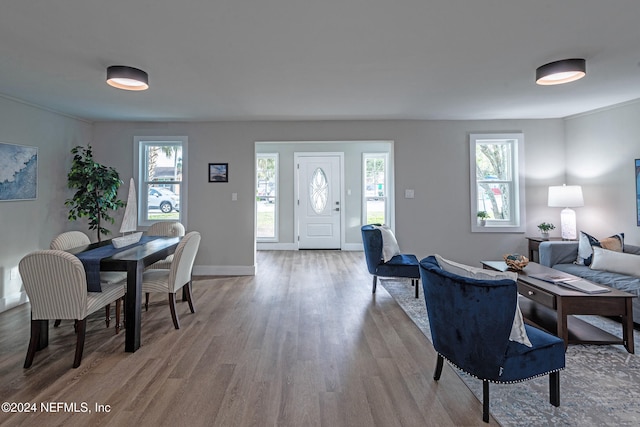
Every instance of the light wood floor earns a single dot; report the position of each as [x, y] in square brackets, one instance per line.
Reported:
[302, 343]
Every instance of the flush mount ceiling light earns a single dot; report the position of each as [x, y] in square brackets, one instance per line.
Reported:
[559, 72]
[127, 78]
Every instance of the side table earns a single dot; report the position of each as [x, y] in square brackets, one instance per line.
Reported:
[534, 246]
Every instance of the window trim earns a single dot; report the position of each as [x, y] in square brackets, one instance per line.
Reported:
[276, 212]
[138, 146]
[518, 224]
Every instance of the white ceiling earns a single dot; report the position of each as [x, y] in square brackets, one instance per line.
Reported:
[317, 60]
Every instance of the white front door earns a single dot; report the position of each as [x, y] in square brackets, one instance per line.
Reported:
[319, 203]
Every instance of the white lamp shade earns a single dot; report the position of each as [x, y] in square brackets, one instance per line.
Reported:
[565, 196]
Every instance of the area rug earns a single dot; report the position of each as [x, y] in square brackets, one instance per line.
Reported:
[600, 385]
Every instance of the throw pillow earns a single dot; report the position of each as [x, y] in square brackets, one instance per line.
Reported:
[390, 246]
[586, 242]
[518, 332]
[615, 262]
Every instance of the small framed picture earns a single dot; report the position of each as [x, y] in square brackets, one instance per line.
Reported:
[218, 172]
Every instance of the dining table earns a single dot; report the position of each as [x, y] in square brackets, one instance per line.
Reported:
[133, 260]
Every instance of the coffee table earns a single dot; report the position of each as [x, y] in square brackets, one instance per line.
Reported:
[551, 307]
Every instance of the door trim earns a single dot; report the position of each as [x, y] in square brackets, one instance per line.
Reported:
[296, 220]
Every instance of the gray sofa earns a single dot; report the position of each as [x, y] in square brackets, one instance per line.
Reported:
[561, 255]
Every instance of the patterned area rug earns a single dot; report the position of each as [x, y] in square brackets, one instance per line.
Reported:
[600, 385]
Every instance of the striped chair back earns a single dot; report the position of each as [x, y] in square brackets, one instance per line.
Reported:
[166, 228]
[56, 284]
[69, 239]
[182, 264]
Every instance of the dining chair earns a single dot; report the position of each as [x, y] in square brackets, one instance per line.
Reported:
[177, 277]
[56, 284]
[168, 229]
[74, 239]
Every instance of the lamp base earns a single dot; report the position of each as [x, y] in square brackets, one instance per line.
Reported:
[568, 224]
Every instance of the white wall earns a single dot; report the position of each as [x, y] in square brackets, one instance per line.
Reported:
[431, 157]
[601, 149]
[31, 224]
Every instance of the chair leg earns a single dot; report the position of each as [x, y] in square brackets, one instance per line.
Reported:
[81, 331]
[146, 301]
[187, 293]
[375, 283]
[33, 342]
[485, 401]
[56, 323]
[172, 306]
[554, 388]
[107, 314]
[414, 282]
[118, 311]
[439, 364]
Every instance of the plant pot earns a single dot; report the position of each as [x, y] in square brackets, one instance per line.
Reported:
[545, 235]
[483, 222]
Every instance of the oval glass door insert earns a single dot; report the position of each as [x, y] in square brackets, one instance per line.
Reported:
[318, 191]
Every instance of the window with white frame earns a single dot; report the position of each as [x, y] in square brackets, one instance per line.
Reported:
[375, 188]
[267, 197]
[497, 182]
[161, 169]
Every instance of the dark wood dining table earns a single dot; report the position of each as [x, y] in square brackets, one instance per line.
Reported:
[133, 260]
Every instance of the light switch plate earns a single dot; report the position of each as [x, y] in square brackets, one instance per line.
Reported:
[408, 194]
[234, 197]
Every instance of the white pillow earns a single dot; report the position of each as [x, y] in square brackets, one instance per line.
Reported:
[390, 246]
[518, 331]
[615, 262]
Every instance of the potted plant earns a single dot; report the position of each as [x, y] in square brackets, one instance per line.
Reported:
[544, 229]
[96, 188]
[482, 216]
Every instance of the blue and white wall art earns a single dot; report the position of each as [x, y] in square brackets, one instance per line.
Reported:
[18, 172]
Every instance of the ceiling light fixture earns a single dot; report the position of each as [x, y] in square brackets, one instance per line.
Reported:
[127, 78]
[559, 72]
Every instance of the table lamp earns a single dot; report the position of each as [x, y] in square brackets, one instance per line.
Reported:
[567, 197]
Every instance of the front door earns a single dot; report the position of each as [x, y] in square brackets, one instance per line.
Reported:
[319, 201]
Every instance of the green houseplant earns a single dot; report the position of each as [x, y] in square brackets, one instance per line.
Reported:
[96, 188]
[482, 216]
[544, 228]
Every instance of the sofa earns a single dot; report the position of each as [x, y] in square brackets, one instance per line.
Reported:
[561, 255]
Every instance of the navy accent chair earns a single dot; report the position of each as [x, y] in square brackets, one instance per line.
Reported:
[403, 265]
[470, 322]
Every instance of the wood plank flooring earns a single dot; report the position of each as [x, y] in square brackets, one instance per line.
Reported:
[302, 343]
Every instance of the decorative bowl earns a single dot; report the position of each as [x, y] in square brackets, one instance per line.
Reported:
[516, 261]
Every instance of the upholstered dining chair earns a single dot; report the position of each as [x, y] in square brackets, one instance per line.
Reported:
[74, 239]
[396, 264]
[56, 284]
[472, 321]
[169, 229]
[177, 277]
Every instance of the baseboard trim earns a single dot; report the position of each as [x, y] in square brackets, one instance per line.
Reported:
[10, 301]
[263, 246]
[224, 270]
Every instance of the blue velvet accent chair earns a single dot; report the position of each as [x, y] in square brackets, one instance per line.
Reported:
[403, 265]
[471, 320]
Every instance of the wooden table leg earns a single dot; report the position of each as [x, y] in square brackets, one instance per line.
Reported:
[133, 301]
[562, 329]
[627, 326]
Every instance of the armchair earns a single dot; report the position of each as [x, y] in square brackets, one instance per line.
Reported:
[399, 265]
[470, 332]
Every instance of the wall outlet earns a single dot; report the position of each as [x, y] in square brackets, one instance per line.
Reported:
[408, 194]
